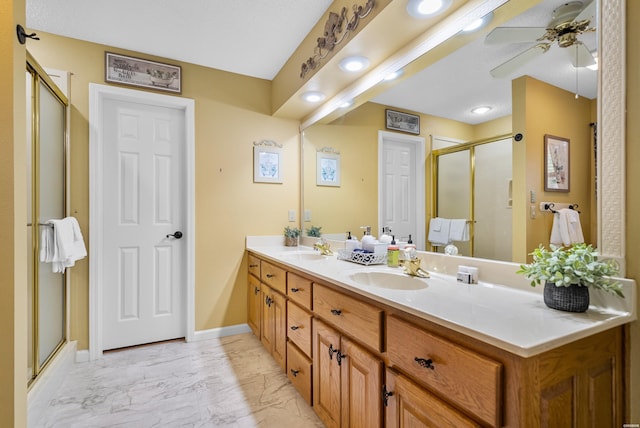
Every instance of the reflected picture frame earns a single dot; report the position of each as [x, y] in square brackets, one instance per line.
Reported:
[404, 122]
[556, 164]
[267, 162]
[328, 167]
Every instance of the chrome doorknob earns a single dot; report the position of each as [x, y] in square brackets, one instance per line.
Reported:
[176, 235]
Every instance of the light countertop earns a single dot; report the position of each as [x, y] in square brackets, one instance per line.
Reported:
[506, 312]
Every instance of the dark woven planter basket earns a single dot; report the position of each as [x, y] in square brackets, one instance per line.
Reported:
[574, 298]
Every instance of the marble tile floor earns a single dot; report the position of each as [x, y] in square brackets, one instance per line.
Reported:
[226, 382]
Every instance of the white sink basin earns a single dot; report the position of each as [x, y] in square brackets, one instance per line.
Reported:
[393, 281]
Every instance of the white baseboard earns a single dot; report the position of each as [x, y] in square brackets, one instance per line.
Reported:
[82, 356]
[215, 333]
[48, 382]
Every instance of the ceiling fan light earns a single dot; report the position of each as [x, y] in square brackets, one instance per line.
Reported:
[353, 64]
[481, 110]
[313, 96]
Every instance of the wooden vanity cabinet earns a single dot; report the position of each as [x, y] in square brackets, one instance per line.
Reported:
[347, 380]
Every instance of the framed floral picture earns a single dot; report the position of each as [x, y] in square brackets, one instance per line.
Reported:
[328, 167]
[267, 162]
[556, 164]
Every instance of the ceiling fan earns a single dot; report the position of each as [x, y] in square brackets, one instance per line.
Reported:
[569, 20]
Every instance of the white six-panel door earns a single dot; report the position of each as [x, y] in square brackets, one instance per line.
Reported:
[143, 202]
[401, 186]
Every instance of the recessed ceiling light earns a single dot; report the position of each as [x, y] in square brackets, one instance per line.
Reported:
[354, 63]
[394, 75]
[478, 23]
[481, 110]
[424, 8]
[313, 96]
[346, 104]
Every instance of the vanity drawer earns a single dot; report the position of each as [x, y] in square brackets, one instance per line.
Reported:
[299, 371]
[299, 290]
[360, 320]
[274, 277]
[460, 376]
[299, 327]
[254, 266]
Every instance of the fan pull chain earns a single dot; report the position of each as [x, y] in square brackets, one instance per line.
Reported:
[577, 70]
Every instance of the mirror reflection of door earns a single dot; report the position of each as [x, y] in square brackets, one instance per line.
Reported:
[473, 182]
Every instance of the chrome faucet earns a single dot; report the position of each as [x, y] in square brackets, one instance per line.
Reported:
[412, 267]
[323, 246]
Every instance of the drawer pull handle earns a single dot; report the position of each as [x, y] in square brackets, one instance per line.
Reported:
[270, 275]
[256, 290]
[427, 364]
[337, 312]
[295, 290]
[294, 327]
[340, 357]
[268, 301]
[331, 351]
[253, 266]
[295, 372]
[385, 395]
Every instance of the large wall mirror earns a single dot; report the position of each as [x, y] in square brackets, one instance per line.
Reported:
[533, 89]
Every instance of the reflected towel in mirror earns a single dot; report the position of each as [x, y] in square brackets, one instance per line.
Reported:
[459, 230]
[439, 231]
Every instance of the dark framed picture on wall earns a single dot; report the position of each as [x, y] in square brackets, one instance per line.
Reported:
[405, 122]
[556, 164]
[140, 72]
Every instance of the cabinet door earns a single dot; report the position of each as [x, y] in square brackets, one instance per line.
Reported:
[361, 375]
[408, 405]
[268, 321]
[254, 305]
[326, 374]
[279, 312]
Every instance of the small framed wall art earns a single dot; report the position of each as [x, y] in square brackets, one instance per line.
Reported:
[267, 162]
[405, 122]
[132, 71]
[328, 167]
[556, 164]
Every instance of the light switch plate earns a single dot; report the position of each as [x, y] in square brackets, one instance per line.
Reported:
[292, 215]
[307, 215]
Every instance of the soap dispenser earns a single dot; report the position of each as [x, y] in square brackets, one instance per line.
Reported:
[385, 237]
[393, 253]
[351, 243]
[367, 239]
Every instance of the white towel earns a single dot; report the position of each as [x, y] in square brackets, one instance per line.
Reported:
[459, 230]
[63, 244]
[439, 231]
[566, 229]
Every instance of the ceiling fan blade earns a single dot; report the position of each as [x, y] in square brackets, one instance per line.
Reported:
[580, 55]
[514, 35]
[508, 67]
[589, 13]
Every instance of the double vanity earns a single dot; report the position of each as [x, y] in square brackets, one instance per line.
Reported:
[371, 346]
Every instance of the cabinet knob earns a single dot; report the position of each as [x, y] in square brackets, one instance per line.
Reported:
[253, 266]
[268, 301]
[385, 395]
[295, 372]
[295, 290]
[340, 357]
[270, 275]
[336, 312]
[294, 327]
[425, 363]
[256, 290]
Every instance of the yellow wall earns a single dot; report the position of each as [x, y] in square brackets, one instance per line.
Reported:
[553, 111]
[13, 230]
[232, 111]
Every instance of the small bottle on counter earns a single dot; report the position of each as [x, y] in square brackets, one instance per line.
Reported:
[393, 253]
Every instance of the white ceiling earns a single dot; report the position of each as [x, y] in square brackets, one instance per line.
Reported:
[256, 37]
[250, 37]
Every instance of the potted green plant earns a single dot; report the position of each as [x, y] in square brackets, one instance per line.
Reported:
[291, 235]
[568, 272]
[314, 231]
